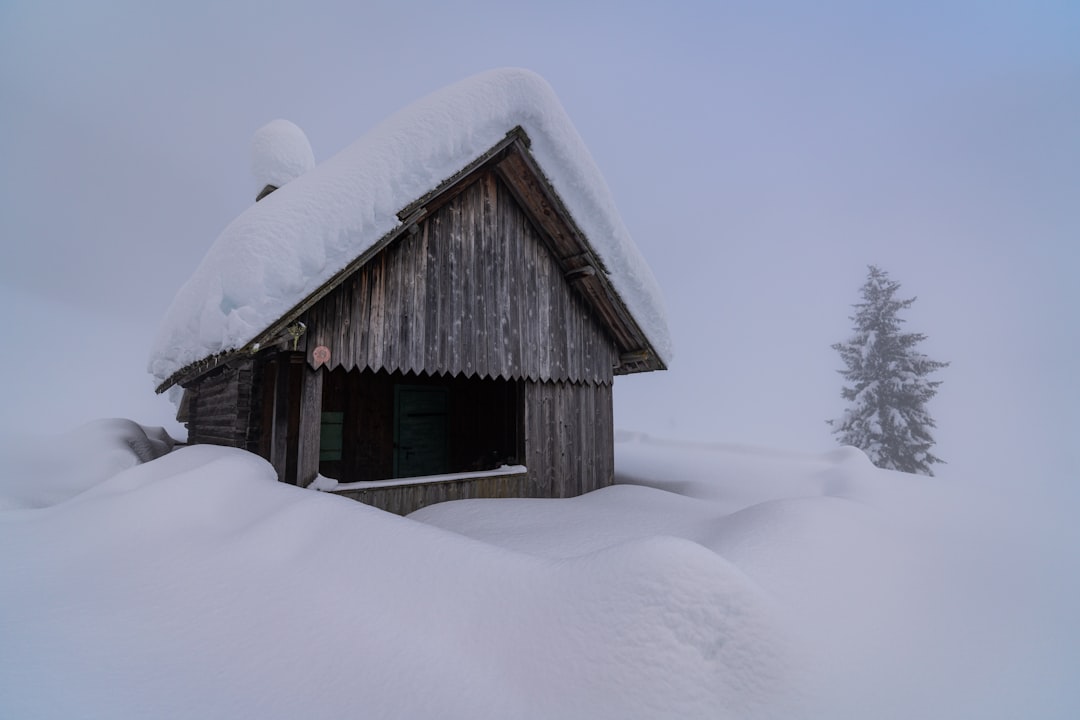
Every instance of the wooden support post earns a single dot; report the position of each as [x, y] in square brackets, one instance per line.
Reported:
[279, 442]
[307, 460]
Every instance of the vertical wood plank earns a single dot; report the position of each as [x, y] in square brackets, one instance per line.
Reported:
[376, 311]
[532, 317]
[467, 252]
[607, 424]
[307, 459]
[279, 448]
[445, 298]
[487, 234]
[516, 270]
[432, 297]
[363, 320]
[549, 429]
[417, 305]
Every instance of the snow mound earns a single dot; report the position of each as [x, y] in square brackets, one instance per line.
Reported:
[906, 596]
[199, 587]
[280, 153]
[45, 470]
[578, 526]
[694, 611]
[195, 585]
[735, 476]
[283, 248]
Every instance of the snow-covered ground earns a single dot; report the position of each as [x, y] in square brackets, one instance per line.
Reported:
[713, 582]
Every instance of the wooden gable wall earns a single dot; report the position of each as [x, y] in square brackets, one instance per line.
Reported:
[473, 290]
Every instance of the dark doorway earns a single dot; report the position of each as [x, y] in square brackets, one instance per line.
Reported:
[421, 414]
[395, 425]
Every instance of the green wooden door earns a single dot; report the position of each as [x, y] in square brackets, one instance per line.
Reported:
[331, 436]
[420, 430]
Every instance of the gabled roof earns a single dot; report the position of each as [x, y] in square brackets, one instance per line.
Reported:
[283, 253]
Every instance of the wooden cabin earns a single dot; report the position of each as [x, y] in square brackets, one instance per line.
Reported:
[470, 352]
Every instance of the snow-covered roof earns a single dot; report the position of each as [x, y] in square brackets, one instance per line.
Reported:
[282, 249]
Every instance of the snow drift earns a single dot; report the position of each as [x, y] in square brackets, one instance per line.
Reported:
[787, 586]
[200, 587]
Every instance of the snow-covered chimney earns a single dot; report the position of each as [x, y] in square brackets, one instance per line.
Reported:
[280, 152]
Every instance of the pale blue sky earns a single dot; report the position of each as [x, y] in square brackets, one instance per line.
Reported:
[762, 154]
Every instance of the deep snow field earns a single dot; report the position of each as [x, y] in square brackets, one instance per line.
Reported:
[712, 582]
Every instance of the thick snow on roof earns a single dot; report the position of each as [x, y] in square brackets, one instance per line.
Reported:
[280, 153]
[285, 247]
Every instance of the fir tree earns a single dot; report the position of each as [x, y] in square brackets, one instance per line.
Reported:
[887, 383]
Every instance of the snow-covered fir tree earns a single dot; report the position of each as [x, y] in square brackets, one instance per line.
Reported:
[887, 383]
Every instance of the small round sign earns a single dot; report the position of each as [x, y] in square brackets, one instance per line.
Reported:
[321, 355]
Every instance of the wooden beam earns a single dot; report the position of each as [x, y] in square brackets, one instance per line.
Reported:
[307, 459]
[580, 273]
[279, 447]
[265, 191]
[450, 187]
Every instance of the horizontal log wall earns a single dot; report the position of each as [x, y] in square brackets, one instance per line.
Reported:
[569, 438]
[219, 410]
[404, 499]
[473, 291]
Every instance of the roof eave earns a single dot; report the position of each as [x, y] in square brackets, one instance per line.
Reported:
[577, 259]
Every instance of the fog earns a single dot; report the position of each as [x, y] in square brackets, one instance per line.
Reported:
[761, 154]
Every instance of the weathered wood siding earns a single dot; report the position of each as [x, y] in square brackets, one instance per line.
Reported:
[474, 291]
[569, 438]
[219, 407]
[525, 179]
[404, 499]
